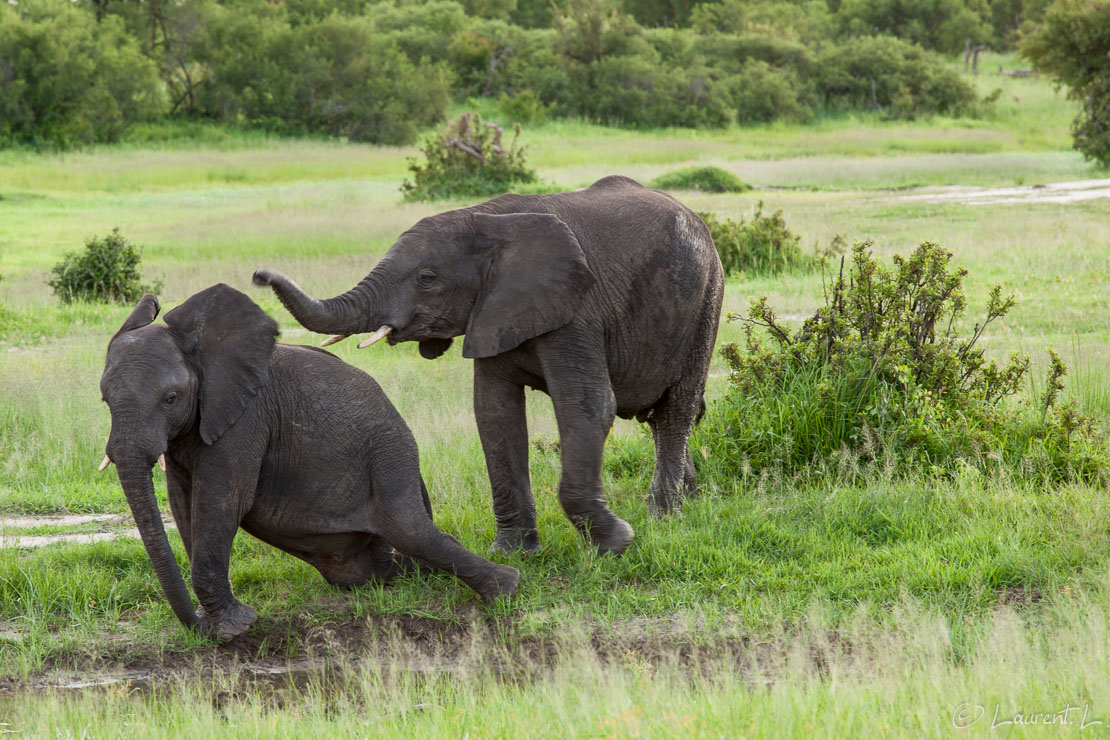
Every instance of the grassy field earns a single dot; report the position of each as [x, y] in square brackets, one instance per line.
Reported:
[846, 606]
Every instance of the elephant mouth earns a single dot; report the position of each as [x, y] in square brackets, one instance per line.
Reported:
[422, 327]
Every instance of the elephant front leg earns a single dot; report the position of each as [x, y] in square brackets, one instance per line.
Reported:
[503, 429]
[584, 409]
[217, 509]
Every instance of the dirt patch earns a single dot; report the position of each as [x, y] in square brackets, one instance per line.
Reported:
[109, 529]
[387, 644]
[72, 520]
[1059, 192]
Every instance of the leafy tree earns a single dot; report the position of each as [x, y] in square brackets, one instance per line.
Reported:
[67, 80]
[941, 25]
[887, 74]
[337, 76]
[1073, 45]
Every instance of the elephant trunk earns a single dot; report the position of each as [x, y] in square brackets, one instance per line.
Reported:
[139, 489]
[349, 313]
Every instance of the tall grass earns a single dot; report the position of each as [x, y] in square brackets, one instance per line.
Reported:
[890, 677]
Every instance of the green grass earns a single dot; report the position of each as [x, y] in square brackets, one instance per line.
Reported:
[982, 588]
[892, 678]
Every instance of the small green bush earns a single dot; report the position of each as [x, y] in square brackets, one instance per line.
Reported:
[524, 107]
[761, 244]
[706, 179]
[467, 158]
[107, 271]
[881, 375]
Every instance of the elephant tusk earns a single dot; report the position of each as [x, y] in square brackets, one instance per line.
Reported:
[162, 462]
[333, 339]
[104, 464]
[377, 336]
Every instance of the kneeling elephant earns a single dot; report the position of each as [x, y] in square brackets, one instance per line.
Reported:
[290, 443]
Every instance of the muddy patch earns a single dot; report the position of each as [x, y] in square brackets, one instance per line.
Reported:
[1059, 192]
[330, 657]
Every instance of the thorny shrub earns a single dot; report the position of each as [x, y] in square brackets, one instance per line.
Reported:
[467, 157]
[882, 375]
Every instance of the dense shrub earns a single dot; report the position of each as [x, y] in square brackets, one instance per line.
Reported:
[762, 93]
[882, 375]
[337, 77]
[524, 107]
[467, 157]
[942, 25]
[380, 72]
[761, 244]
[66, 80]
[107, 271]
[706, 179]
[1073, 45]
[887, 74]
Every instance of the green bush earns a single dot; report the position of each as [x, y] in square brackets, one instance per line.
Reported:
[890, 75]
[761, 244]
[761, 93]
[524, 107]
[66, 80]
[338, 77]
[706, 179]
[467, 158]
[941, 25]
[881, 375]
[107, 271]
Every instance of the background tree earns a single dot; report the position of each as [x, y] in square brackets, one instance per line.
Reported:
[66, 80]
[1073, 45]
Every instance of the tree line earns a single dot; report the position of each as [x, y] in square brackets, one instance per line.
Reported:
[82, 71]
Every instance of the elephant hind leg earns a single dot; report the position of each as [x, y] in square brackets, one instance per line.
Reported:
[671, 421]
[376, 561]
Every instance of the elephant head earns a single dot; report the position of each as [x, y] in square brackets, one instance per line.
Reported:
[500, 279]
[198, 371]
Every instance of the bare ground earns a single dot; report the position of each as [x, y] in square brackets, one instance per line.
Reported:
[1060, 192]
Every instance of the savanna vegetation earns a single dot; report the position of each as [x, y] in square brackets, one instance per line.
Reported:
[382, 71]
[903, 524]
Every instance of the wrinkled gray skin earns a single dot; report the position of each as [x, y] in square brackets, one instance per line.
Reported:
[295, 446]
[607, 299]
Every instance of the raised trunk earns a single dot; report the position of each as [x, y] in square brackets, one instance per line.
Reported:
[350, 313]
[139, 489]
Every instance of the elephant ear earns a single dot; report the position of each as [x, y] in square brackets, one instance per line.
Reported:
[535, 283]
[230, 339]
[146, 310]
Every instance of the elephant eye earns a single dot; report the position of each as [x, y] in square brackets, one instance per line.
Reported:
[170, 398]
[426, 277]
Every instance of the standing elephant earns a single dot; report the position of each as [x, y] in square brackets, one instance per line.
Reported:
[290, 443]
[606, 298]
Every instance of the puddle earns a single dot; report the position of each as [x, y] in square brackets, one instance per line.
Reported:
[261, 676]
[1058, 192]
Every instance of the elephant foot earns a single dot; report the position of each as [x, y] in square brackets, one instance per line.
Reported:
[229, 624]
[611, 535]
[510, 541]
[662, 506]
[502, 581]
